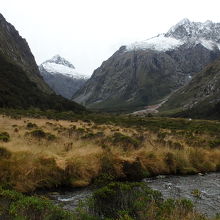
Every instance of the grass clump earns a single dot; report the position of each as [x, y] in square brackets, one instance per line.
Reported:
[125, 141]
[4, 137]
[196, 193]
[31, 125]
[214, 143]
[40, 134]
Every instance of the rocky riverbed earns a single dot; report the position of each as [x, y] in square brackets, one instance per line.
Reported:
[203, 190]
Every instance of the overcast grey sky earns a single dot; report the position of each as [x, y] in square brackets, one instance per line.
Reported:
[87, 32]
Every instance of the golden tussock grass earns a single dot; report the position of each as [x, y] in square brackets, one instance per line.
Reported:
[77, 153]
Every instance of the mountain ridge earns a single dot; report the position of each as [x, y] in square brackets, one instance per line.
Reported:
[139, 76]
[21, 85]
[200, 98]
[16, 48]
[184, 32]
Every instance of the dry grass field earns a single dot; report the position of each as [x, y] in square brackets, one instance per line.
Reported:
[42, 153]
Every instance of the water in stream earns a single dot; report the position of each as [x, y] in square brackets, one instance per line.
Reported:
[208, 186]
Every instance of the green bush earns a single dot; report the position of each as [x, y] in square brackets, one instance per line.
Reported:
[18, 206]
[214, 143]
[125, 141]
[31, 125]
[4, 136]
[110, 200]
[129, 201]
[40, 134]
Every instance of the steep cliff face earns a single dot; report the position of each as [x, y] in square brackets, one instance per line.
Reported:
[16, 49]
[21, 85]
[199, 98]
[61, 76]
[17, 91]
[145, 72]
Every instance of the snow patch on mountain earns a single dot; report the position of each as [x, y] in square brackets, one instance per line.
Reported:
[55, 68]
[59, 65]
[184, 32]
[160, 43]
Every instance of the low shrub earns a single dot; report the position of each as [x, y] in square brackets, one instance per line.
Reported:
[108, 201]
[91, 135]
[214, 143]
[125, 141]
[31, 125]
[129, 201]
[40, 134]
[4, 137]
[18, 206]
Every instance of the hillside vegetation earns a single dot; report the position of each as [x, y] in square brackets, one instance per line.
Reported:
[200, 98]
[17, 91]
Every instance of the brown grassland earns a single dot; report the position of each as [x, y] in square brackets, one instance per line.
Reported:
[43, 153]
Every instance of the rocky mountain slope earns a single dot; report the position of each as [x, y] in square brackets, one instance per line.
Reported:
[21, 85]
[200, 98]
[143, 73]
[62, 76]
[16, 49]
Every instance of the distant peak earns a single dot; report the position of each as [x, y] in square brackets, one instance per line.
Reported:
[60, 60]
[185, 32]
[184, 21]
[208, 22]
[57, 57]
[186, 29]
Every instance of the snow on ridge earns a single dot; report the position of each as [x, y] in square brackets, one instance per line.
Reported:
[210, 45]
[189, 33]
[159, 43]
[60, 60]
[54, 68]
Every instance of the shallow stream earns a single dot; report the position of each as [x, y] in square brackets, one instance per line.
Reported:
[203, 190]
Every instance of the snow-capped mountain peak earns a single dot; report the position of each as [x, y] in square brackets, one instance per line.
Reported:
[59, 65]
[186, 33]
[184, 21]
[60, 60]
[188, 29]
